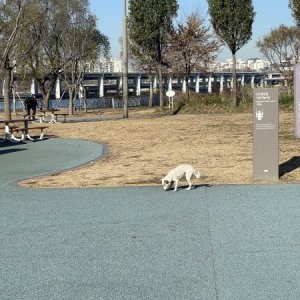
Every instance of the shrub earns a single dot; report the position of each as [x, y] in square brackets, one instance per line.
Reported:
[222, 103]
[286, 101]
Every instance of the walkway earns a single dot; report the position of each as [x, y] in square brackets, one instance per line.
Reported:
[218, 242]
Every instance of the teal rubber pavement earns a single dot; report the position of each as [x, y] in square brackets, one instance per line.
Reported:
[213, 242]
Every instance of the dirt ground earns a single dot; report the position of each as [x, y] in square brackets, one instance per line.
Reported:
[143, 148]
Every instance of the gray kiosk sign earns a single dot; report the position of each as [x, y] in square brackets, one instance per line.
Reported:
[265, 134]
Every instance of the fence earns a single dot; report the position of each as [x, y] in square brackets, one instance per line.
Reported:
[92, 103]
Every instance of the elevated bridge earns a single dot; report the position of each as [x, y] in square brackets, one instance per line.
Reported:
[101, 84]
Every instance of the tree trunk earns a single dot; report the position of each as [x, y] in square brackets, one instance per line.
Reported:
[41, 87]
[71, 100]
[235, 102]
[46, 92]
[46, 98]
[14, 102]
[6, 92]
[150, 104]
[161, 87]
[84, 100]
[187, 87]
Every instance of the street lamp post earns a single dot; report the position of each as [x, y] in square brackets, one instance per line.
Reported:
[125, 62]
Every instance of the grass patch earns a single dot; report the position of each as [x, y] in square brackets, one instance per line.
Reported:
[286, 102]
[223, 103]
[210, 103]
[288, 136]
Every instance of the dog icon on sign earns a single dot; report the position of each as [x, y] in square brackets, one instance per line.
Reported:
[259, 115]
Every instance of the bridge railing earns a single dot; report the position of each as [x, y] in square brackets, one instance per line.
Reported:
[92, 103]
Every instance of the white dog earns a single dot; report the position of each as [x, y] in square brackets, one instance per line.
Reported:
[175, 174]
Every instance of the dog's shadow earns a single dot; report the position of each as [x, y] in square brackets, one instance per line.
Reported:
[194, 187]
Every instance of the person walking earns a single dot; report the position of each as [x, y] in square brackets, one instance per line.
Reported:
[31, 104]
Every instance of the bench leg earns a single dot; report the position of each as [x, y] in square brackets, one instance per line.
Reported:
[10, 136]
[29, 137]
[52, 119]
[6, 131]
[41, 137]
[13, 139]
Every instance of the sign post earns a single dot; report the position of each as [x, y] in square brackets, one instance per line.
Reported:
[170, 94]
[265, 134]
[297, 100]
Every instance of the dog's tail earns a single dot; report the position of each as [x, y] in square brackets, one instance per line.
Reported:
[197, 174]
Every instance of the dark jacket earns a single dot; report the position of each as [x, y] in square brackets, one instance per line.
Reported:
[31, 102]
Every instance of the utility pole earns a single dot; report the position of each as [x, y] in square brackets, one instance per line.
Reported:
[125, 62]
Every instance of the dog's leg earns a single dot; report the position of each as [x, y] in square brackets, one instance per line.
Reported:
[188, 179]
[190, 185]
[189, 182]
[176, 183]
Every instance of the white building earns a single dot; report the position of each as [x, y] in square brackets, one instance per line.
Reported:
[253, 64]
[257, 64]
[104, 65]
[114, 65]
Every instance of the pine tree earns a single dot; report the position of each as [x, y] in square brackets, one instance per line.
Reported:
[232, 21]
[149, 21]
[294, 5]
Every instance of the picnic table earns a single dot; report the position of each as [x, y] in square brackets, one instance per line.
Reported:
[55, 114]
[11, 127]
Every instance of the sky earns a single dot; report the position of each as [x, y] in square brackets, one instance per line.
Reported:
[270, 14]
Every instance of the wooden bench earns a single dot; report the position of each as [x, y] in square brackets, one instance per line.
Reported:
[55, 114]
[40, 115]
[10, 128]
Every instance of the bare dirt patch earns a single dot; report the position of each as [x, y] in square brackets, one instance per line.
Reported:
[144, 148]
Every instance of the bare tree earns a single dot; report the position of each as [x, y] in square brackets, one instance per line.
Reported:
[192, 47]
[82, 42]
[45, 61]
[70, 37]
[17, 18]
[281, 48]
